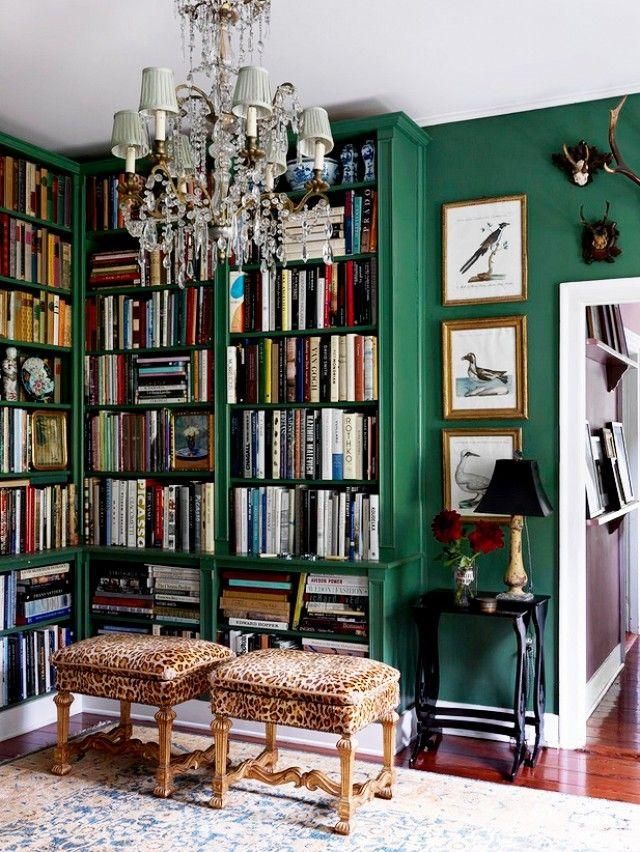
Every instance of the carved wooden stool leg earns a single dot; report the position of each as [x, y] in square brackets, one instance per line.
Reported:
[220, 727]
[126, 728]
[271, 747]
[388, 740]
[164, 777]
[346, 749]
[61, 766]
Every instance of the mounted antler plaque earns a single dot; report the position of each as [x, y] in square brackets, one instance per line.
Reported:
[581, 162]
[599, 239]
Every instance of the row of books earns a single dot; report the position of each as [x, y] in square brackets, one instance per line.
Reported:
[344, 294]
[152, 441]
[127, 267]
[158, 592]
[34, 190]
[305, 235]
[332, 603]
[129, 379]
[303, 521]
[103, 202]
[16, 440]
[335, 368]
[158, 318]
[143, 513]
[147, 630]
[604, 322]
[25, 663]
[33, 519]
[243, 641]
[34, 318]
[328, 443]
[32, 595]
[355, 228]
[33, 254]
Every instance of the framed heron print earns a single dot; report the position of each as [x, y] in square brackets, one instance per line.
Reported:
[484, 251]
[484, 365]
[468, 459]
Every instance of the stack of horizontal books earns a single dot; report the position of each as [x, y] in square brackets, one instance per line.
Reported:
[335, 603]
[258, 599]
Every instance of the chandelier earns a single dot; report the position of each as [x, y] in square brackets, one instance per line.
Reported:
[216, 150]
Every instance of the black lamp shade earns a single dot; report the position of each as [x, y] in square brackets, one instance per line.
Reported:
[515, 489]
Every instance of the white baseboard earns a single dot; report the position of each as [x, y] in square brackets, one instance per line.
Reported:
[602, 679]
[25, 718]
[197, 714]
[550, 739]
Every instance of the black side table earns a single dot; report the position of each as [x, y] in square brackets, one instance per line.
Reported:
[431, 719]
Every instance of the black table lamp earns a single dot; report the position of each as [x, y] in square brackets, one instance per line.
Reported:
[515, 489]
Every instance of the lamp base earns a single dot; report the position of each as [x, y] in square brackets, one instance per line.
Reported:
[515, 596]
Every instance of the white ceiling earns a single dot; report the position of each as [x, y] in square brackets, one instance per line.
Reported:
[67, 65]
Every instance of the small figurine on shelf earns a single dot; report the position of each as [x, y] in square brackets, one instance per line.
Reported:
[485, 537]
[349, 160]
[10, 375]
[368, 151]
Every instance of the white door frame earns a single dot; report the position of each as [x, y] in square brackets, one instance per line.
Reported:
[572, 595]
[629, 544]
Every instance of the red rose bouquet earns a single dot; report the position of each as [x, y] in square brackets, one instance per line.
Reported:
[462, 547]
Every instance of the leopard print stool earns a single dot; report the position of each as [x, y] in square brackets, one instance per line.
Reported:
[159, 670]
[321, 692]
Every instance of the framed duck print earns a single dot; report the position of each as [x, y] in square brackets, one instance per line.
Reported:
[468, 459]
[484, 365]
[484, 251]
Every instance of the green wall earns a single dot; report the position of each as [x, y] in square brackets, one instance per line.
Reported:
[501, 156]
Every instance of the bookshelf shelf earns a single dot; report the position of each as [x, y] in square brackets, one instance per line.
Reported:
[40, 288]
[240, 406]
[615, 363]
[143, 554]
[142, 621]
[316, 483]
[27, 344]
[312, 261]
[44, 223]
[151, 406]
[137, 290]
[305, 332]
[38, 477]
[153, 474]
[609, 517]
[299, 564]
[151, 350]
[107, 232]
[299, 634]
[53, 406]
[26, 628]
[16, 561]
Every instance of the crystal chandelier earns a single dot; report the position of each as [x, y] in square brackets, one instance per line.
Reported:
[216, 150]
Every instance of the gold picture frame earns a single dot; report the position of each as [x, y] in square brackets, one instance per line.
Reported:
[467, 477]
[49, 440]
[465, 233]
[495, 372]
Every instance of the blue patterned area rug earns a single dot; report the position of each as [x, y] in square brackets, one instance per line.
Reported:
[106, 804]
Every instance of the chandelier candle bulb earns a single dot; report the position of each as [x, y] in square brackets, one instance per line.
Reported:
[252, 122]
[130, 163]
[318, 162]
[161, 125]
[269, 183]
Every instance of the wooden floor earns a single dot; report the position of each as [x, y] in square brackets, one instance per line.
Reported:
[609, 766]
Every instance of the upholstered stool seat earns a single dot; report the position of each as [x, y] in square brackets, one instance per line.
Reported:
[158, 670]
[320, 692]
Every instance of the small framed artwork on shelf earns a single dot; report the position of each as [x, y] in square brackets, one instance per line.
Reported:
[468, 459]
[49, 441]
[622, 458]
[594, 491]
[484, 251]
[485, 368]
[192, 444]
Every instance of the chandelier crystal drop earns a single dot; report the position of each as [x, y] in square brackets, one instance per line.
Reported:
[218, 147]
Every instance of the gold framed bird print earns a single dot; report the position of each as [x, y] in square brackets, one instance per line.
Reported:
[484, 368]
[484, 250]
[468, 459]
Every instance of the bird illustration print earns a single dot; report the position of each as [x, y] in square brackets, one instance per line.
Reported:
[474, 484]
[483, 380]
[490, 244]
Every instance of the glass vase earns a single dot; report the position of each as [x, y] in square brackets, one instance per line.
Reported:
[464, 584]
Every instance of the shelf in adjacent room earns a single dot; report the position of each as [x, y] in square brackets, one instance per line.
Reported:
[316, 483]
[139, 290]
[24, 628]
[6, 341]
[152, 350]
[32, 285]
[239, 406]
[41, 223]
[146, 406]
[312, 261]
[306, 332]
[615, 363]
[608, 517]
[54, 406]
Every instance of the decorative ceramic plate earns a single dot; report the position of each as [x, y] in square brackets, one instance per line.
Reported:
[36, 378]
